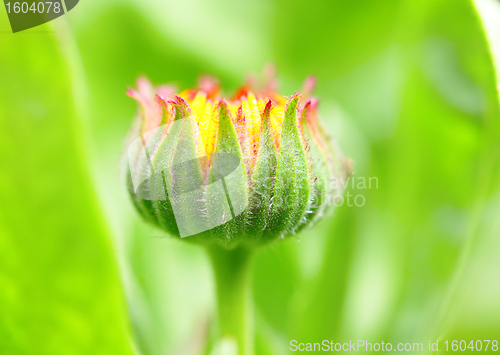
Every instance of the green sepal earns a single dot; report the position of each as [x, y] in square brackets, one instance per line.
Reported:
[228, 168]
[292, 183]
[145, 207]
[176, 169]
[262, 180]
[320, 172]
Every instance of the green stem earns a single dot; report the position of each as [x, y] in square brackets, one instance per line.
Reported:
[232, 274]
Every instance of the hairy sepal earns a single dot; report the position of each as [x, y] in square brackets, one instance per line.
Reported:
[292, 182]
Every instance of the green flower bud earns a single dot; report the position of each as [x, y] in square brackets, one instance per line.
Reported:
[248, 170]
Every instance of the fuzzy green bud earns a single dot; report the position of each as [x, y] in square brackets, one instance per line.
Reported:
[248, 170]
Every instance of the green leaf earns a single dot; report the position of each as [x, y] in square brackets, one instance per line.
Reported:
[317, 311]
[389, 265]
[59, 285]
[440, 137]
[333, 37]
[276, 279]
[156, 267]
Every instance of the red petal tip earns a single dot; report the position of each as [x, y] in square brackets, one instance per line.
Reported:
[145, 87]
[270, 70]
[181, 106]
[166, 90]
[131, 92]
[251, 81]
[178, 101]
[161, 100]
[269, 105]
[137, 96]
[223, 103]
[310, 83]
[209, 85]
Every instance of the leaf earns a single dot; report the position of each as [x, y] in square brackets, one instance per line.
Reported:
[455, 145]
[59, 285]
[489, 12]
[330, 38]
[167, 284]
[388, 263]
[276, 277]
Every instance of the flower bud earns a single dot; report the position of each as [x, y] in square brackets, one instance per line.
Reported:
[250, 169]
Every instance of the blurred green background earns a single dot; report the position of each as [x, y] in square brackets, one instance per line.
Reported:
[407, 87]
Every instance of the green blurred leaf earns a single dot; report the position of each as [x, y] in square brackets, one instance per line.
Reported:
[446, 162]
[276, 278]
[168, 283]
[419, 111]
[330, 38]
[389, 266]
[59, 287]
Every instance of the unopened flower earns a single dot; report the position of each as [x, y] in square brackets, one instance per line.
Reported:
[246, 169]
